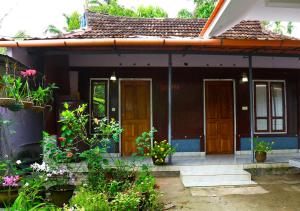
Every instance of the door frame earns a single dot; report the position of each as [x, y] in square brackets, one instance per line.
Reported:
[234, 111]
[120, 106]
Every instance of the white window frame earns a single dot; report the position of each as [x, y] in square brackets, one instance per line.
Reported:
[90, 100]
[269, 107]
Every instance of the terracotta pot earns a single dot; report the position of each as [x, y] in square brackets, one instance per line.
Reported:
[61, 194]
[37, 109]
[158, 162]
[8, 196]
[5, 102]
[17, 106]
[27, 104]
[260, 157]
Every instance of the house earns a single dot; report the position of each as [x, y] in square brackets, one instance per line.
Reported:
[205, 96]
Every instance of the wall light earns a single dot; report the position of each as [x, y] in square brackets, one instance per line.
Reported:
[244, 78]
[113, 77]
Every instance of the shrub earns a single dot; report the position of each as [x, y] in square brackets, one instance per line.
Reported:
[90, 200]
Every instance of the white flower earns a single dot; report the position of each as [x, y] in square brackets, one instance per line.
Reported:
[18, 162]
[26, 184]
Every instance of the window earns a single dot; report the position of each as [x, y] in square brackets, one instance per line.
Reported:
[98, 99]
[269, 106]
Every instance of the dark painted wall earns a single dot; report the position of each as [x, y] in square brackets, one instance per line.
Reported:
[187, 98]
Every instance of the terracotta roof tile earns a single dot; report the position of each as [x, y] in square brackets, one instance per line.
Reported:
[107, 26]
[251, 30]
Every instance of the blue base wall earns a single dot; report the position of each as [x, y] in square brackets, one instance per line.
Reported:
[279, 142]
[186, 145]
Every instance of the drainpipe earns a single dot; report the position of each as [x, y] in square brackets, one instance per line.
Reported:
[170, 103]
[250, 81]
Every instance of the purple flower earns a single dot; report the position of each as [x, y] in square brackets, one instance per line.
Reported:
[11, 181]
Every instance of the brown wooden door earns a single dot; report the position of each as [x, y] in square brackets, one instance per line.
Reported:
[135, 113]
[219, 117]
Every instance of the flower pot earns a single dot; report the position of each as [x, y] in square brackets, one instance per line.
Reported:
[260, 156]
[8, 195]
[17, 106]
[61, 194]
[158, 161]
[27, 104]
[37, 109]
[5, 102]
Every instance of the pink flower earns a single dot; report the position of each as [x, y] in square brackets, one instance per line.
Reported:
[24, 74]
[27, 73]
[31, 72]
[11, 181]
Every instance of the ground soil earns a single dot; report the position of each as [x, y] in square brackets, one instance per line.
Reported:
[280, 192]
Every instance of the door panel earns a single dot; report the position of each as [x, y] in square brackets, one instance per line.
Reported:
[135, 113]
[219, 117]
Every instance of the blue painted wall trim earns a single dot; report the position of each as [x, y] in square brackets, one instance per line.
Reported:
[279, 142]
[186, 145]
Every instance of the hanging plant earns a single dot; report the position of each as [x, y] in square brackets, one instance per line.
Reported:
[42, 96]
[27, 98]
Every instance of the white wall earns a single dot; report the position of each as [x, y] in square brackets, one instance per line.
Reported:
[179, 60]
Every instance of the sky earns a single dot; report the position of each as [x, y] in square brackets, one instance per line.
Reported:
[33, 16]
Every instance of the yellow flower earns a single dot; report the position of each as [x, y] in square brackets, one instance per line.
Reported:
[162, 149]
[96, 121]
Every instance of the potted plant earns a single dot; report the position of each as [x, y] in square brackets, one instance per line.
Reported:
[59, 172]
[158, 151]
[261, 148]
[9, 189]
[11, 92]
[27, 99]
[41, 96]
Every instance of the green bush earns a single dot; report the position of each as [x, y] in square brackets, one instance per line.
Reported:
[126, 201]
[90, 200]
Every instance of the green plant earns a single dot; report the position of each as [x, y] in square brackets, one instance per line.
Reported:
[41, 96]
[12, 87]
[159, 151]
[126, 201]
[90, 200]
[262, 146]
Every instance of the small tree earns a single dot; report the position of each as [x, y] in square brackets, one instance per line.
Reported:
[73, 21]
[204, 8]
[184, 13]
[151, 12]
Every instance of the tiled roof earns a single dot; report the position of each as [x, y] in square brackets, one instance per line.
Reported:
[251, 30]
[107, 26]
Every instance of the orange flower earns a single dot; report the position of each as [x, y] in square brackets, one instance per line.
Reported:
[69, 154]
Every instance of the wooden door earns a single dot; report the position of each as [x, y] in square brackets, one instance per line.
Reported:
[135, 113]
[219, 117]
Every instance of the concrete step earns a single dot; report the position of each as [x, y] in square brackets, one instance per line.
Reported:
[221, 175]
[189, 183]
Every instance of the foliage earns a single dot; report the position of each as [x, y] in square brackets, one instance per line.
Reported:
[290, 27]
[41, 96]
[90, 200]
[184, 13]
[53, 30]
[113, 8]
[73, 21]
[126, 201]
[159, 151]
[262, 146]
[204, 8]
[12, 87]
[21, 35]
[278, 27]
[3, 51]
[151, 12]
